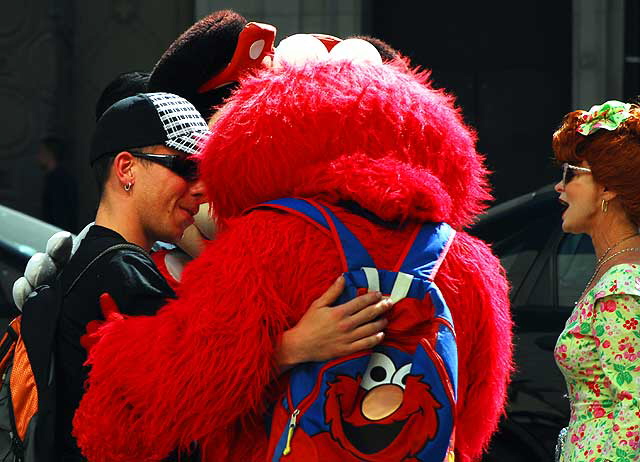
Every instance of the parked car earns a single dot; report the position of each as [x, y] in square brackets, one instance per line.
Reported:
[548, 269]
[21, 236]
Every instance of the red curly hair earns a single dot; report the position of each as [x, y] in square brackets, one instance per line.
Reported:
[613, 156]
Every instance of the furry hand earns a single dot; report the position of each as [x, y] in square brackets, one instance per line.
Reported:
[110, 312]
[326, 332]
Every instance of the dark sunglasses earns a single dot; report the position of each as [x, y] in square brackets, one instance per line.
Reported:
[569, 172]
[185, 167]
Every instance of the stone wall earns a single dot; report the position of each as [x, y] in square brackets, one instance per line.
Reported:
[56, 56]
[334, 17]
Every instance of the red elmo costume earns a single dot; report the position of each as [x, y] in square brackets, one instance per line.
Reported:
[203, 369]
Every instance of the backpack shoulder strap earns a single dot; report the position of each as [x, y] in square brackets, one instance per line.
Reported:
[300, 207]
[39, 321]
[121, 246]
[426, 250]
[353, 254]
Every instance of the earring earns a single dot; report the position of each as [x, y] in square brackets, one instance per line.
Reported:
[127, 187]
[605, 206]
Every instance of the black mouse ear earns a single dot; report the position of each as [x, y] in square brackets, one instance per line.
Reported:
[201, 52]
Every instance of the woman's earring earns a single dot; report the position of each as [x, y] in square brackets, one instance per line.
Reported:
[127, 187]
[605, 206]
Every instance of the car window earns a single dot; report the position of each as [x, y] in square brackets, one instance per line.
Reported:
[10, 270]
[576, 261]
[519, 255]
[541, 296]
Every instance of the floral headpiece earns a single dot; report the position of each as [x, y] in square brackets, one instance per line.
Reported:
[608, 115]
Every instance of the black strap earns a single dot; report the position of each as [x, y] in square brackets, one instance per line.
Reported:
[120, 246]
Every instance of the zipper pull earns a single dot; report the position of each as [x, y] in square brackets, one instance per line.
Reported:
[292, 427]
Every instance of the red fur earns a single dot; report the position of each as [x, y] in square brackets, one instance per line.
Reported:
[284, 128]
[203, 368]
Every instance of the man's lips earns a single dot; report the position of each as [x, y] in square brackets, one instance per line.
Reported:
[190, 214]
[190, 211]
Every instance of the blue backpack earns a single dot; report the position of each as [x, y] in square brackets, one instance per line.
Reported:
[395, 402]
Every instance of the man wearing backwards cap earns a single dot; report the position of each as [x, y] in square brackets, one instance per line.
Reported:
[144, 157]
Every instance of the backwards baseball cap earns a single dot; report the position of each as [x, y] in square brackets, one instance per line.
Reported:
[149, 119]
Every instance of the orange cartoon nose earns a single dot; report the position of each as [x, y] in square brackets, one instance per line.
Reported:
[382, 401]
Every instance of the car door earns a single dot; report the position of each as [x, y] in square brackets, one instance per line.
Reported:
[547, 270]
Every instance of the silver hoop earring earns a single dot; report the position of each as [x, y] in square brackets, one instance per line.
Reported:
[605, 206]
[127, 187]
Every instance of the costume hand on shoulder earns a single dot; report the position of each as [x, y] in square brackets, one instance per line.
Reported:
[43, 267]
[325, 332]
[110, 312]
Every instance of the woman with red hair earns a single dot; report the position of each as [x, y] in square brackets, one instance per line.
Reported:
[598, 350]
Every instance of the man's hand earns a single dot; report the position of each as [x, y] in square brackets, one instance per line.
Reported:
[326, 332]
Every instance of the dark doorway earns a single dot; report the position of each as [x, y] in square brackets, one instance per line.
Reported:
[632, 51]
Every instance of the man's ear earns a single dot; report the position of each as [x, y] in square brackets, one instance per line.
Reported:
[123, 168]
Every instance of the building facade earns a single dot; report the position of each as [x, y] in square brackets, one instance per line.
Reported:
[515, 69]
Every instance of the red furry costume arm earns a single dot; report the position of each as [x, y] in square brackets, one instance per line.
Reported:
[206, 360]
[476, 289]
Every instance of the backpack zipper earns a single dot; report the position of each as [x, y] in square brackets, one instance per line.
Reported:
[292, 427]
[302, 407]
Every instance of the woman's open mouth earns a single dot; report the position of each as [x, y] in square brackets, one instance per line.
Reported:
[565, 206]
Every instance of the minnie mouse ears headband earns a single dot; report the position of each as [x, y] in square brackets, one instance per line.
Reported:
[255, 47]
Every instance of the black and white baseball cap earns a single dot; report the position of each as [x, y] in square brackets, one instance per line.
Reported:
[149, 119]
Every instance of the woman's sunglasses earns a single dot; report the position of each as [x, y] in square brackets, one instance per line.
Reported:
[185, 167]
[570, 171]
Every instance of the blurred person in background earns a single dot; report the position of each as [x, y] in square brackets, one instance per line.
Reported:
[60, 189]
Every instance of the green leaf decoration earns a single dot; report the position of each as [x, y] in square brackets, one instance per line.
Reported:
[599, 330]
[585, 328]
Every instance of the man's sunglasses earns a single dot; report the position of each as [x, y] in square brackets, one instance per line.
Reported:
[570, 171]
[185, 167]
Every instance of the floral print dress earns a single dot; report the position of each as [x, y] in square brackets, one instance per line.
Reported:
[598, 353]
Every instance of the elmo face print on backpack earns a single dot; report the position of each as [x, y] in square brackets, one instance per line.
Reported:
[395, 402]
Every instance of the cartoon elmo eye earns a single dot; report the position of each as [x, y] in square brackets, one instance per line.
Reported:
[380, 371]
[400, 377]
